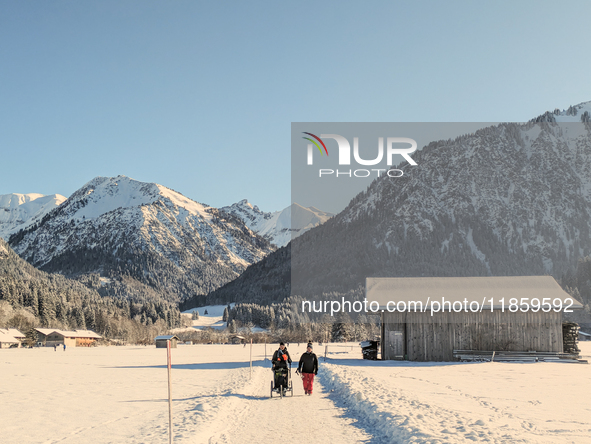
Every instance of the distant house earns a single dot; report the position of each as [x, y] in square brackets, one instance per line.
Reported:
[425, 336]
[75, 338]
[10, 337]
[43, 334]
[237, 339]
[13, 332]
[162, 340]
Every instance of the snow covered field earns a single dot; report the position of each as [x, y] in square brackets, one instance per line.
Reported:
[212, 319]
[119, 395]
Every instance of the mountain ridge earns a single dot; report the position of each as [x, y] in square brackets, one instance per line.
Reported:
[279, 227]
[19, 211]
[510, 199]
[148, 232]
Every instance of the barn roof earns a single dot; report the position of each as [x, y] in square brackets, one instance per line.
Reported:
[81, 334]
[479, 289]
[166, 337]
[12, 332]
[70, 333]
[8, 339]
[46, 331]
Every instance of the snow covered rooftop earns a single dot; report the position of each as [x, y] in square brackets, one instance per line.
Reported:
[165, 337]
[6, 338]
[46, 331]
[70, 333]
[479, 289]
[12, 332]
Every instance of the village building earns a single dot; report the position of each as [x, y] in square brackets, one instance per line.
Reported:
[237, 339]
[10, 338]
[76, 338]
[14, 332]
[487, 321]
[163, 339]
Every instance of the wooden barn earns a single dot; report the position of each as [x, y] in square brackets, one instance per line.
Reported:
[75, 338]
[162, 340]
[419, 335]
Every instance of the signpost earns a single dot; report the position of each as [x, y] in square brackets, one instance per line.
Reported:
[251, 358]
[169, 365]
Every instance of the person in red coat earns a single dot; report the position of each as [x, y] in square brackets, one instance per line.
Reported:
[308, 368]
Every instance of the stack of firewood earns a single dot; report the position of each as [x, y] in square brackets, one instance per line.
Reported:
[570, 337]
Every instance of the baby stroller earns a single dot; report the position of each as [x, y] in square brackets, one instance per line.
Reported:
[281, 383]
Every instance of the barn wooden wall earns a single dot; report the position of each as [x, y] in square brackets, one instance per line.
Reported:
[434, 338]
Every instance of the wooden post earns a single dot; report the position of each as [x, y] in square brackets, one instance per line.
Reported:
[250, 358]
[169, 365]
[325, 351]
[265, 349]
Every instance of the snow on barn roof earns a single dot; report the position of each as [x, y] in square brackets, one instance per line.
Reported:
[7, 339]
[46, 331]
[165, 337]
[70, 333]
[82, 334]
[479, 289]
[12, 332]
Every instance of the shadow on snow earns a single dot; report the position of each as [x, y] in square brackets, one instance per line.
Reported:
[204, 366]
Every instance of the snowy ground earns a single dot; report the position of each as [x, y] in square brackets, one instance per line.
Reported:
[119, 395]
[213, 318]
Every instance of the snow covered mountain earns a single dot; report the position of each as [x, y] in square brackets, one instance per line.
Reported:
[120, 229]
[19, 211]
[277, 227]
[510, 199]
[574, 113]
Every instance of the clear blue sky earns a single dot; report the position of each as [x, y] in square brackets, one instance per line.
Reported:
[200, 96]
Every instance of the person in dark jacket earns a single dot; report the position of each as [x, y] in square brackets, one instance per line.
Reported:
[280, 360]
[308, 368]
[281, 357]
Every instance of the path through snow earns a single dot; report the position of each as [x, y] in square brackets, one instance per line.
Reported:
[119, 395]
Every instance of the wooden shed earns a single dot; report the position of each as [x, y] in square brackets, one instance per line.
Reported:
[162, 340]
[426, 331]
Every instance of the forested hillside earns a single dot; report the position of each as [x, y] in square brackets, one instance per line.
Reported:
[32, 298]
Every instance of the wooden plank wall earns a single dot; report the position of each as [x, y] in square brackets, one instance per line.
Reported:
[433, 338]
